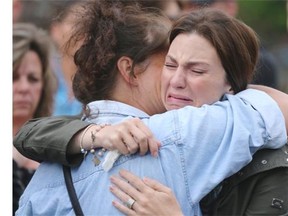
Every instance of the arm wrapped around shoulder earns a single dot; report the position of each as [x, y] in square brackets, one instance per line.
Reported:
[272, 113]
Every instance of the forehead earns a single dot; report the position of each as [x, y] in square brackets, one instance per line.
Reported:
[30, 62]
[192, 46]
[190, 40]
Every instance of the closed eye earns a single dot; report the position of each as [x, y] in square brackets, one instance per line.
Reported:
[198, 72]
[170, 65]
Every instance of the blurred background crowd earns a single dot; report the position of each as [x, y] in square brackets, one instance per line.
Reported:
[268, 18]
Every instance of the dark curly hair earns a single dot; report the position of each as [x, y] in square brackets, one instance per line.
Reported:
[108, 30]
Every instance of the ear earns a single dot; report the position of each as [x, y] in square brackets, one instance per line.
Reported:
[124, 65]
[229, 90]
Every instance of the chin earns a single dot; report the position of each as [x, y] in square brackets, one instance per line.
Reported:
[21, 114]
[173, 107]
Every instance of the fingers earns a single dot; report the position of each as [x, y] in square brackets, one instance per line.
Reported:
[151, 197]
[135, 187]
[140, 139]
[128, 137]
[139, 184]
[125, 193]
[122, 208]
[111, 138]
[157, 186]
[145, 138]
[124, 189]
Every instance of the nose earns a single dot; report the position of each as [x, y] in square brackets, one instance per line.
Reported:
[178, 79]
[21, 85]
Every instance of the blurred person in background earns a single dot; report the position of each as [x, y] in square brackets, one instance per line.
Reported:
[171, 8]
[56, 17]
[228, 6]
[34, 87]
[63, 64]
[267, 72]
[17, 10]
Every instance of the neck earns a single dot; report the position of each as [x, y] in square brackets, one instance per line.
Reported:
[136, 95]
[129, 94]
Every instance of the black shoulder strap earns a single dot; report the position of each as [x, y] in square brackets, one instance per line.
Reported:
[71, 191]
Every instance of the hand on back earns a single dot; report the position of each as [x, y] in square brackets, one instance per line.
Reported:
[128, 137]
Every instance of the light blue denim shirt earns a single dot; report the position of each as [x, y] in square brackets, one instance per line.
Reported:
[200, 147]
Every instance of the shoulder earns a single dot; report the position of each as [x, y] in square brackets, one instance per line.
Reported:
[263, 160]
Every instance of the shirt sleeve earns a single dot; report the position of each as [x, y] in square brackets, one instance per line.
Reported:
[215, 141]
[48, 138]
[272, 116]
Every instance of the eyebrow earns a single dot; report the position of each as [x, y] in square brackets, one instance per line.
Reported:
[170, 58]
[187, 64]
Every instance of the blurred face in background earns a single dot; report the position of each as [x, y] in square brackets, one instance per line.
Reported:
[172, 9]
[228, 6]
[17, 10]
[60, 33]
[27, 86]
[193, 73]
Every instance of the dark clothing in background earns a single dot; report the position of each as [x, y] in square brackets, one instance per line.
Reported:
[21, 178]
[260, 188]
[267, 72]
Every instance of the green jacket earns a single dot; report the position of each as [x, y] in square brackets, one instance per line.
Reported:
[47, 139]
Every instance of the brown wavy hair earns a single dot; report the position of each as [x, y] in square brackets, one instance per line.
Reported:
[28, 37]
[107, 31]
[236, 43]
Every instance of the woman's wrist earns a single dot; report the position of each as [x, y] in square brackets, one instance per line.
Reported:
[89, 141]
[73, 146]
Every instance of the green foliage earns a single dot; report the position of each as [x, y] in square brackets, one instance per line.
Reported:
[267, 17]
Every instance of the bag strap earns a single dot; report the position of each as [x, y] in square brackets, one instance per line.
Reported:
[71, 191]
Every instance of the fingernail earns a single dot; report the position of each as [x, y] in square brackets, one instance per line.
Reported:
[113, 203]
[159, 144]
[111, 188]
[155, 153]
[112, 178]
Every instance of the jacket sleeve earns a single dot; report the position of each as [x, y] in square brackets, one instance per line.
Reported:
[48, 138]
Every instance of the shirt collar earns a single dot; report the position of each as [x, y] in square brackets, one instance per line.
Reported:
[115, 107]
